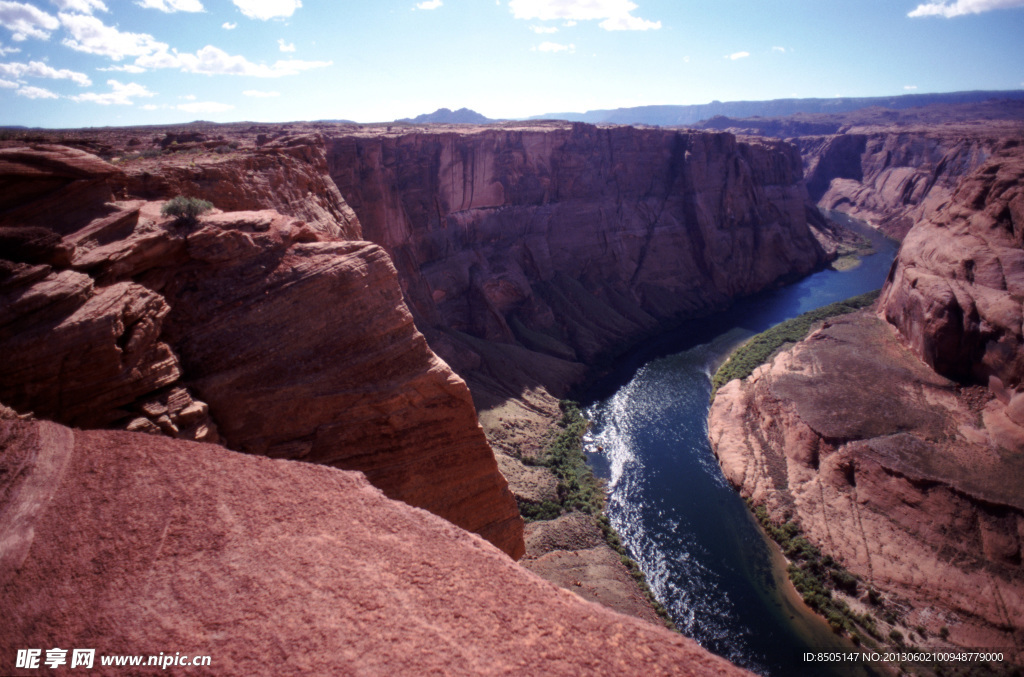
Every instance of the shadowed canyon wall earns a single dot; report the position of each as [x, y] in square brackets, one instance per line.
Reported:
[896, 177]
[558, 244]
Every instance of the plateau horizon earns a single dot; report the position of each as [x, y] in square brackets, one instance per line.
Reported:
[82, 63]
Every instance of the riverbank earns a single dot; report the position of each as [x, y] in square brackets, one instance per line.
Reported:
[854, 452]
[569, 539]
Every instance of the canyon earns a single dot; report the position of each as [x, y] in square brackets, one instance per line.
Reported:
[270, 326]
[382, 319]
[892, 437]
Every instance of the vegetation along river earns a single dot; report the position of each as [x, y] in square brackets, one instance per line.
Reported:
[704, 555]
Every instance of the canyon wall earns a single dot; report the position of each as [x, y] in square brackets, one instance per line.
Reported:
[133, 544]
[956, 290]
[896, 439]
[552, 245]
[894, 177]
[260, 330]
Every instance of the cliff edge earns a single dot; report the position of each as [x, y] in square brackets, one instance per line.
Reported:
[141, 545]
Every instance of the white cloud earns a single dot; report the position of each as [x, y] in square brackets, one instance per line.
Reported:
[229, 25]
[8, 84]
[4, 51]
[205, 107]
[429, 4]
[92, 36]
[83, 6]
[212, 60]
[543, 29]
[961, 7]
[285, 46]
[781, 50]
[36, 93]
[26, 21]
[150, 106]
[909, 87]
[260, 95]
[268, 9]
[170, 6]
[554, 47]
[127, 68]
[38, 69]
[189, 97]
[737, 55]
[614, 15]
[119, 94]
[627, 22]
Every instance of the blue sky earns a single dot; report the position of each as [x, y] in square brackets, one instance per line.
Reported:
[80, 63]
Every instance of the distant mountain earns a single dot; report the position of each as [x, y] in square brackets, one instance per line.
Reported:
[448, 116]
[688, 115]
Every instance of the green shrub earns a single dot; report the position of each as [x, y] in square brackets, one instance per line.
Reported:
[185, 209]
[532, 512]
[761, 347]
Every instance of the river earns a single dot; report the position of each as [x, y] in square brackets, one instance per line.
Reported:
[704, 555]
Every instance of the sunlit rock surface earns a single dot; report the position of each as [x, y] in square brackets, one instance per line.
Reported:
[135, 544]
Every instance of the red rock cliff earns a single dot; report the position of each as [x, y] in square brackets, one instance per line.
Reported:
[894, 178]
[957, 288]
[253, 326]
[571, 240]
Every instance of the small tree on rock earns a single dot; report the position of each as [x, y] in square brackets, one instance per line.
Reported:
[185, 209]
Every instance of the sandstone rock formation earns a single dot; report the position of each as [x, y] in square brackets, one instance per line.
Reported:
[912, 480]
[957, 290]
[891, 167]
[896, 177]
[287, 174]
[254, 326]
[570, 241]
[135, 544]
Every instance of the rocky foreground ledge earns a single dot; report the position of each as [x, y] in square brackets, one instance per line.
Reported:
[898, 447]
[135, 544]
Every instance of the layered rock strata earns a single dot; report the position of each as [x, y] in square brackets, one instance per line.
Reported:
[565, 242]
[957, 289]
[894, 178]
[899, 448]
[287, 174]
[253, 326]
[135, 544]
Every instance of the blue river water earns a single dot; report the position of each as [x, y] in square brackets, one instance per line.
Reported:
[703, 553]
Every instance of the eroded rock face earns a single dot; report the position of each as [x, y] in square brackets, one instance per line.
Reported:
[288, 175]
[910, 481]
[895, 178]
[956, 292]
[253, 326]
[571, 240]
[138, 544]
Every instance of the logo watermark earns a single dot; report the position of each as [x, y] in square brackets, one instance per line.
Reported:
[33, 659]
